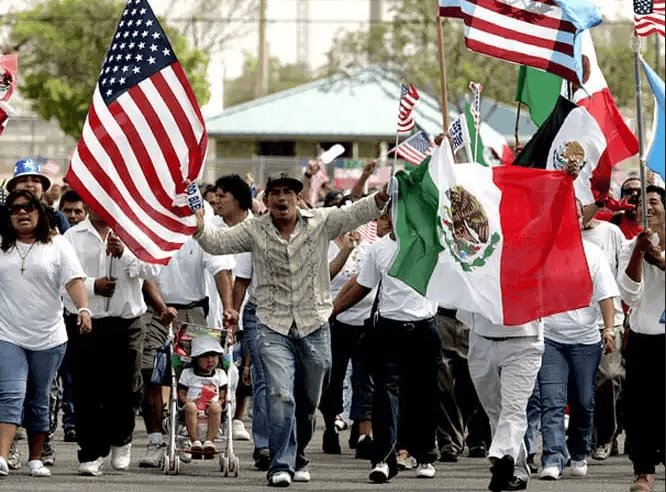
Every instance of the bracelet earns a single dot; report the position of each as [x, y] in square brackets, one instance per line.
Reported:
[85, 310]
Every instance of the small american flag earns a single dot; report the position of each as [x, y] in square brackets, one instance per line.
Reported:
[143, 140]
[475, 107]
[408, 97]
[537, 33]
[649, 17]
[415, 148]
[368, 232]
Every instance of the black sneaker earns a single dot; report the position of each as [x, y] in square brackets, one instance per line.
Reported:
[534, 468]
[353, 435]
[364, 448]
[448, 457]
[70, 435]
[331, 442]
[478, 452]
[48, 454]
[502, 473]
[262, 459]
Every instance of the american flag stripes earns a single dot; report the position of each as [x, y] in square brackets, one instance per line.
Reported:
[415, 148]
[408, 97]
[649, 17]
[143, 141]
[537, 33]
[368, 232]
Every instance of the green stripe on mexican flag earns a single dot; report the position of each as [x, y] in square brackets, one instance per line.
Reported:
[503, 242]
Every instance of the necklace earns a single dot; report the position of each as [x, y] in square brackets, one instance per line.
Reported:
[23, 256]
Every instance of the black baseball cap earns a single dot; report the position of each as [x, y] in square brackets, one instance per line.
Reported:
[284, 179]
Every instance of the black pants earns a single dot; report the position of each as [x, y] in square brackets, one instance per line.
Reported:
[405, 377]
[106, 367]
[345, 346]
[644, 400]
[459, 407]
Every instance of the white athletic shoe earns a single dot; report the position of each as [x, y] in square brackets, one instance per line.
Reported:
[121, 456]
[92, 468]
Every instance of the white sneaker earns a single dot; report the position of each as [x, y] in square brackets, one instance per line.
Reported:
[280, 479]
[238, 431]
[425, 470]
[154, 456]
[302, 475]
[121, 456]
[92, 468]
[4, 467]
[36, 468]
[550, 473]
[380, 473]
[579, 468]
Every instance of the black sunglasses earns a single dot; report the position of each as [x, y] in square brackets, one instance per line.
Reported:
[17, 207]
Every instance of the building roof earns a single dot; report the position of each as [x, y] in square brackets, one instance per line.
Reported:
[362, 105]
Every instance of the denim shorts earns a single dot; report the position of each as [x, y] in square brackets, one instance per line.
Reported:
[25, 382]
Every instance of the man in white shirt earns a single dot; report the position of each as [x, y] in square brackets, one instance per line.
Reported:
[504, 362]
[610, 239]
[107, 361]
[641, 281]
[407, 359]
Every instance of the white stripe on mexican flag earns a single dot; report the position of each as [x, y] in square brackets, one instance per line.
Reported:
[503, 242]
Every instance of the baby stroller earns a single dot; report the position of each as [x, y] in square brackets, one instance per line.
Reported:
[177, 356]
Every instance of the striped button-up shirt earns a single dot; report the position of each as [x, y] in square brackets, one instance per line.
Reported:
[292, 276]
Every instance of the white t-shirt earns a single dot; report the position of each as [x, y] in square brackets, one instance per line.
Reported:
[397, 300]
[359, 312]
[646, 298]
[195, 383]
[580, 325]
[31, 309]
[610, 239]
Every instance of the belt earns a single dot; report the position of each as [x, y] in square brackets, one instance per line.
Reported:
[410, 325]
[201, 303]
[449, 313]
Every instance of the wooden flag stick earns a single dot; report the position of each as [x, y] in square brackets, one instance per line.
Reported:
[636, 47]
[442, 72]
[515, 130]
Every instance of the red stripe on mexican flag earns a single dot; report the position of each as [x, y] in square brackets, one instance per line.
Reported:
[503, 242]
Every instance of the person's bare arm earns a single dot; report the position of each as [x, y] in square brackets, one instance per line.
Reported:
[358, 189]
[350, 294]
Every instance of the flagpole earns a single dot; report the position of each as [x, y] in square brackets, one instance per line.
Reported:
[515, 130]
[442, 72]
[636, 47]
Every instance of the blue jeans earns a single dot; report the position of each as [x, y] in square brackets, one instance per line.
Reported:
[25, 385]
[259, 410]
[533, 421]
[568, 374]
[295, 368]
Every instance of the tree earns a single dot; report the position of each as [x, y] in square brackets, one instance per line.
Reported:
[62, 44]
[280, 77]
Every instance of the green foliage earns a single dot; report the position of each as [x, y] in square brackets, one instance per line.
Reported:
[62, 44]
[280, 77]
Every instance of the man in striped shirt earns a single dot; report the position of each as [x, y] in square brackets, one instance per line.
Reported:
[289, 259]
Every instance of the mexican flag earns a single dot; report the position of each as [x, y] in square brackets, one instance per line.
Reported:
[538, 91]
[570, 134]
[503, 242]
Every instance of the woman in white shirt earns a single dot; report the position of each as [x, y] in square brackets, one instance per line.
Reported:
[35, 267]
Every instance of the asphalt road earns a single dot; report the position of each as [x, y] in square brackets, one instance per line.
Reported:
[328, 473]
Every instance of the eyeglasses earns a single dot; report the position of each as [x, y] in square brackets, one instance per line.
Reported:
[17, 207]
[631, 191]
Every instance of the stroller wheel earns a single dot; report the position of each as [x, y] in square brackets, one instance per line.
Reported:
[224, 465]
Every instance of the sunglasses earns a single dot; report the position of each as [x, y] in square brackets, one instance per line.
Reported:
[17, 207]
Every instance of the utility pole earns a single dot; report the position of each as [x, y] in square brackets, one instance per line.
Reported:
[303, 34]
[376, 39]
[262, 62]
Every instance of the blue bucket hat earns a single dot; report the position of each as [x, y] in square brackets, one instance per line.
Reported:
[27, 167]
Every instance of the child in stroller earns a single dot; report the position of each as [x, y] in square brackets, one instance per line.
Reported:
[202, 391]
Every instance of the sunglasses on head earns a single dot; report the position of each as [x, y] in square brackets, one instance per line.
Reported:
[17, 207]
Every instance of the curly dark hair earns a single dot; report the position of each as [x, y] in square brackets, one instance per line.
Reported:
[234, 184]
[7, 231]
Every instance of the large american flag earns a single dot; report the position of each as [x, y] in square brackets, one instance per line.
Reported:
[144, 139]
[536, 33]
[649, 17]
[415, 148]
[408, 97]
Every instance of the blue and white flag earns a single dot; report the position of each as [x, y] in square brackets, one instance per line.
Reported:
[656, 153]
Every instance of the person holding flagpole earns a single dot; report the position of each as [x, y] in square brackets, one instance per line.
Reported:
[641, 282]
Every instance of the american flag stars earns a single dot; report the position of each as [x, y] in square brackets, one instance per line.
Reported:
[139, 49]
